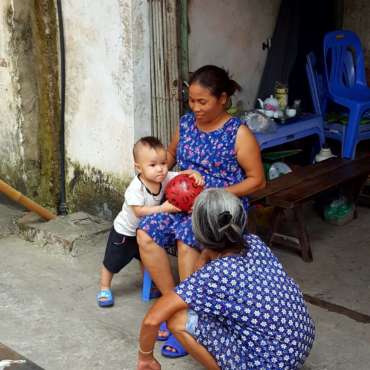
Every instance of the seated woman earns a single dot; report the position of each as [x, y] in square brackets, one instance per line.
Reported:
[240, 310]
[218, 146]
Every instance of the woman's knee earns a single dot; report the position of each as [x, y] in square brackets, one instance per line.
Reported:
[143, 239]
[182, 247]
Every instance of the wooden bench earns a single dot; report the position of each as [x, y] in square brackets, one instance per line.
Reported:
[305, 183]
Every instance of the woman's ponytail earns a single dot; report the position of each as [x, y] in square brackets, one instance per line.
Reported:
[216, 79]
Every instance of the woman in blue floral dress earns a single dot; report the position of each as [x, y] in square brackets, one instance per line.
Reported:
[219, 147]
[240, 310]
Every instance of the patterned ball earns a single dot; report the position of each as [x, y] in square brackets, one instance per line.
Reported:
[181, 191]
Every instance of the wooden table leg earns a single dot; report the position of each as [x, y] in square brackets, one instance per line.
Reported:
[352, 189]
[356, 187]
[304, 240]
[276, 217]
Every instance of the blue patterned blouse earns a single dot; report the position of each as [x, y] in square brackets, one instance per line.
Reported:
[210, 153]
[251, 313]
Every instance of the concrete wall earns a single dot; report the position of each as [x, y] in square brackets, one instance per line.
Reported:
[230, 34]
[9, 123]
[108, 101]
[357, 18]
[19, 154]
[107, 98]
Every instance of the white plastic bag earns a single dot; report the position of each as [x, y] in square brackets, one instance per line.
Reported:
[259, 123]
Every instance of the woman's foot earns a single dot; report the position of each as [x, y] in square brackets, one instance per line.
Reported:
[105, 298]
[163, 333]
[173, 348]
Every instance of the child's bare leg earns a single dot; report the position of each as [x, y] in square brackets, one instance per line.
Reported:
[105, 279]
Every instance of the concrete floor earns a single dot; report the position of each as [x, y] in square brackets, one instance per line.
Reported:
[49, 314]
[340, 272]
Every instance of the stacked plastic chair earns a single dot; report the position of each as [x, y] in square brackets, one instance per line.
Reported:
[318, 88]
[345, 80]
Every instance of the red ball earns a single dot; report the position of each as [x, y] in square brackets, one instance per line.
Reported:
[181, 191]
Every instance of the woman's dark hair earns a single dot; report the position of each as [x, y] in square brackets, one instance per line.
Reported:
[219, 220]
[216, 79]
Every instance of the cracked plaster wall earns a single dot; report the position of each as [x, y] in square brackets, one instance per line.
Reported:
[9, 103]
[107, 98]
[19, 153]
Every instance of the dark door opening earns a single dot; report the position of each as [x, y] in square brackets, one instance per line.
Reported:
[300, 28]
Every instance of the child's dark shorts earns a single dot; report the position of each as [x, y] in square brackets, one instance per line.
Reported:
[120, 250]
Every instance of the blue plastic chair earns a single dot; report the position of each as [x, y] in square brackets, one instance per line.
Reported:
[319, 94]
[147, 286]
[346, 83]
[317, 87]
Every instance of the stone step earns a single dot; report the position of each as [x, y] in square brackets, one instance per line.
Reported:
[12, 360]
[63, 235]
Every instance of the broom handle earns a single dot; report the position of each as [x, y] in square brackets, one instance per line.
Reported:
[18, 197]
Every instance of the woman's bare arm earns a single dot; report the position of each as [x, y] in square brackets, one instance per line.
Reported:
[248, 155]
[161, 311]
[171, 150]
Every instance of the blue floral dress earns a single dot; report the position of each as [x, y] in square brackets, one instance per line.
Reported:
[251, 314]
[213, 155]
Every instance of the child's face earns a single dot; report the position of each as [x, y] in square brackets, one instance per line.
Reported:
[151, 164]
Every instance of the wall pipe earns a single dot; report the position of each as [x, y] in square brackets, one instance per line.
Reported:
[26, 202]
[62, 206]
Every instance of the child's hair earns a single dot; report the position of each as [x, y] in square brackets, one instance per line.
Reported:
[148, 141]
[216, 79]
[219, 220]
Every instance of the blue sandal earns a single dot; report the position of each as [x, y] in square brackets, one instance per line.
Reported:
[155, 293]
[176, 345]
[163, 327]
[108, 300]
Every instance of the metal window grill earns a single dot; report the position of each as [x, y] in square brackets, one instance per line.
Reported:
[164, 66]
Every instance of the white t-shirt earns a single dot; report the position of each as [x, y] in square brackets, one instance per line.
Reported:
[137, 194]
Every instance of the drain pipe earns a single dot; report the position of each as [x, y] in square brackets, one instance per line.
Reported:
[62, 206]
[26, 202]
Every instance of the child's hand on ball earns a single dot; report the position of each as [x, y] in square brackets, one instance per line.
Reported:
[182, 190]
[198, 178]
[169, 208]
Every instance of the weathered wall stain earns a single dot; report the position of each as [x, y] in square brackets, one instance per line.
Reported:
[95, 192]
[107, 99]
[45, 33]
[32, 161]
[19, 148]
[3, 63]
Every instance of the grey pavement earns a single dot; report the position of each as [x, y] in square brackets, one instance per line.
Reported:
[48, 311]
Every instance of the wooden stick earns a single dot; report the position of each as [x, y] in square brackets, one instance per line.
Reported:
[18, 197]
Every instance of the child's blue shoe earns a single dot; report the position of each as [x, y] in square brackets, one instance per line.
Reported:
[105, 298]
